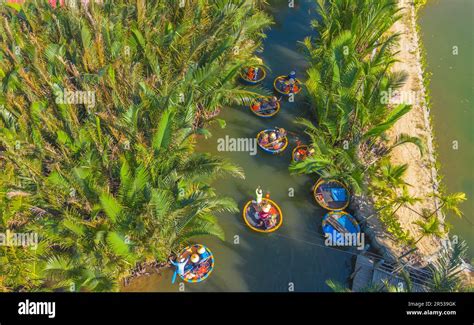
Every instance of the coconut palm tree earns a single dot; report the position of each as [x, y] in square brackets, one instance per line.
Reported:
[430, 227]
[446, 270]
[450, 202]
[396, 201]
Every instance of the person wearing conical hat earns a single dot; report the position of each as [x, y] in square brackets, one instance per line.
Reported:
[264, 140]
[273, 102]
[203, 253]
[195, 258]
[281, 132]
[292, 76]
[292, 86]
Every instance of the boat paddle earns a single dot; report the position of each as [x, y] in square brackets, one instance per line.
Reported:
[266, 109]
[174, 276]
[271, 143]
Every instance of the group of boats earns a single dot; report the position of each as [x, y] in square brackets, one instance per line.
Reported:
[266, 107]
[263, 214]
[195, 263]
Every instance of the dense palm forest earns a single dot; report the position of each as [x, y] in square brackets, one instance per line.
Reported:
[99, 113]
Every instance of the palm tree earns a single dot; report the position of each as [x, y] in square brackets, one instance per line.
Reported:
[450, 202]
[336, 286]
[393, 174]
[345, 83]
[446, 270]
[430, 227]
[396, 201]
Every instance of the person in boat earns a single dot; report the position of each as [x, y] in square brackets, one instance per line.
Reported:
[292, 86]
[273, 102]
[259, 194]
[273, 138]
[278, 145]
[265, 216]
[271, 222]
[277, 137]
[203, 253]
[281, 83]
[264, 104]
[180, 263]
[291, 76]
[298, 156]
[256, 105]
[281, 133]
[255, 76]
[264, 140]
[251, 73]
[202, 270]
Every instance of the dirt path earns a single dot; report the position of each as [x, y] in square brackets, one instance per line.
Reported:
[421, 173]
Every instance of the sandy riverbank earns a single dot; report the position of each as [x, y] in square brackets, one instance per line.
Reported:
[421, 173]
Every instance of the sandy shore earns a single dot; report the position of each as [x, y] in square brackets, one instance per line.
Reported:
[421, 173]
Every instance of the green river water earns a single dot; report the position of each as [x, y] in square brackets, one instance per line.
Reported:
[446, 24]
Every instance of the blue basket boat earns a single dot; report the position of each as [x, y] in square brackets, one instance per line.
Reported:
[197, 271]
[340, 222]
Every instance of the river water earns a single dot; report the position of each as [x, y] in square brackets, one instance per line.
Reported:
[444, 25]
[294, 257]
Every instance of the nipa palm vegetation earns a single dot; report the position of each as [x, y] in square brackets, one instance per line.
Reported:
[100, 109]
[349, 82]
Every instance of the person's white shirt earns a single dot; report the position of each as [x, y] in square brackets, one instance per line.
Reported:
[259, 193]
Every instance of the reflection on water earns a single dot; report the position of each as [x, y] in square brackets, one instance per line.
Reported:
[295, 255]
